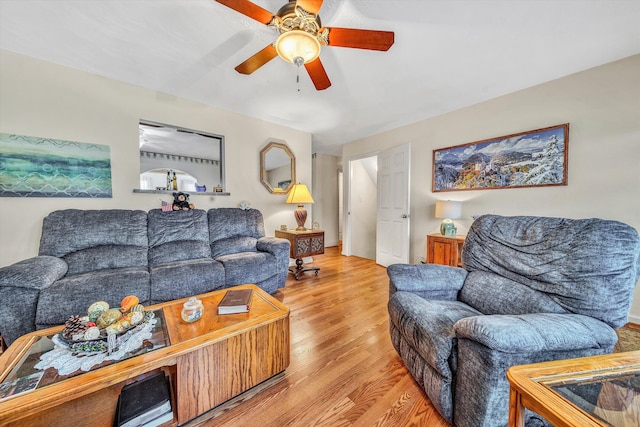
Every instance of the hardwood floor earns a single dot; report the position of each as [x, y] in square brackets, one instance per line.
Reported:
[344, 370]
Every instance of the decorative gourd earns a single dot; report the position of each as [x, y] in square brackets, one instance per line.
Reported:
[136, 317]
[96, 309]
[137, 307]
[128, 302]
[108, 317]
[92, 333]
[125, 322]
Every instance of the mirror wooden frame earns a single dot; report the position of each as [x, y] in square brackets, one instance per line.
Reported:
[263, 169]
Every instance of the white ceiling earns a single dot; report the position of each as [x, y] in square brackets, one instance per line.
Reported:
[447, 54]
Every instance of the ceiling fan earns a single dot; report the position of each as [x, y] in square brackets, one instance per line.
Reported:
[302, 35]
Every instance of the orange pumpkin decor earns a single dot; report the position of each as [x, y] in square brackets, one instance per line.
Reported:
[128, 302]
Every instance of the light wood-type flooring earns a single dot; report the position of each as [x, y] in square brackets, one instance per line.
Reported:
[344, 370]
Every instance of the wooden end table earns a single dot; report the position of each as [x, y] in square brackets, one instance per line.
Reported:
[592, 391]
[445, 250]
[303, 243]
[208, 362]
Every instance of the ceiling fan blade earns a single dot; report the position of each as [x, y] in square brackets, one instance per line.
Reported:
[249, 9]
[360, 39]
[257, 60]
[311, 6]
[318, 74]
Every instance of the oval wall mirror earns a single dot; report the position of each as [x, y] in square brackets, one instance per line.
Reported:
[277, 168]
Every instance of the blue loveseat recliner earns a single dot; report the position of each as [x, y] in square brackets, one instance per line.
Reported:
[531, 289]
[91, 255]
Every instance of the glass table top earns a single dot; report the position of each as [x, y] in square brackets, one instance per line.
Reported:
[611, 397]
[25, 369]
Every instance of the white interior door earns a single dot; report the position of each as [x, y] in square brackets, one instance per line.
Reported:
[393, 222]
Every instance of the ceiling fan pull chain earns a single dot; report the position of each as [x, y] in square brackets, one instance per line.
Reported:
[298, 61]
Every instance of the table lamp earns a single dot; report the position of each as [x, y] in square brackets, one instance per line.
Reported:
[448, 210]
[299, 194]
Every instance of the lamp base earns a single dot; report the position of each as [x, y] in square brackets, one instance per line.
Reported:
[447, 228]
[301, 217]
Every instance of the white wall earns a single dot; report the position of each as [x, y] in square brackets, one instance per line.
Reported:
[325, 196]
[46, 100]
[364, 199]
[602, 106]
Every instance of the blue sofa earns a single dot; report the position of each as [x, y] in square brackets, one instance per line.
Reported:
[531, 289]
[91, 255]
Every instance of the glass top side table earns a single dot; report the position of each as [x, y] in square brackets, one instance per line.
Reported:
[589, 391]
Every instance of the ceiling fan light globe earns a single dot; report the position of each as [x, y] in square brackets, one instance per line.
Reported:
[297, 43]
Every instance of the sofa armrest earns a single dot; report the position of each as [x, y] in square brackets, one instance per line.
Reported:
[535, 333]
[21, 284]
[426, 280]
[274, 245]
[280, 249]
[33, 273]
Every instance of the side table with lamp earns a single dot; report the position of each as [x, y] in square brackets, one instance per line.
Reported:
[304, 242]
[448, 210]
[446, 248]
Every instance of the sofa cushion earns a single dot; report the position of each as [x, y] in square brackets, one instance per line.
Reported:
[177, 236]
[248, 267]
[180, 279]
[225, 223]
[105, 257]
[69, 230]
[233, 245]
[585, 265]
[493, 294]
[74, 294]
[90, 240]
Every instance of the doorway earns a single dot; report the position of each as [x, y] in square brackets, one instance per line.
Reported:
[360, 214]
[366, 216]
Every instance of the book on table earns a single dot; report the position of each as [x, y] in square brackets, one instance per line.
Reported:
[235, 301]
[145, 403]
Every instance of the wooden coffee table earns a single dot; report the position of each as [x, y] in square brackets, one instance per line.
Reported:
[209, 362]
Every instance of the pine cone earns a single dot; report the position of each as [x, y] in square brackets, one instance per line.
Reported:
[73, 326]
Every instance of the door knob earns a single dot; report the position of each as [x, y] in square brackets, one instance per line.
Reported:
[404, 216]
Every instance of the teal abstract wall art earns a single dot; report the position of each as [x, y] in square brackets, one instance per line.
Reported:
[45, 167]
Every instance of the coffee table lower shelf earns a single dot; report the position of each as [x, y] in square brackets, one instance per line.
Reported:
[209, 362]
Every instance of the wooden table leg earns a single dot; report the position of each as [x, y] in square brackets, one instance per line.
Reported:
[516, 410]
[300, 268]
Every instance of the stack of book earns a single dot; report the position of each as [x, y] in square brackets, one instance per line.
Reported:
[145, 403]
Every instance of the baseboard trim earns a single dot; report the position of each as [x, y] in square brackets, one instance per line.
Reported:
[634, 319]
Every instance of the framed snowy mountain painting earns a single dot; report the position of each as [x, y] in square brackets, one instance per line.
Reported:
[527, 159]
